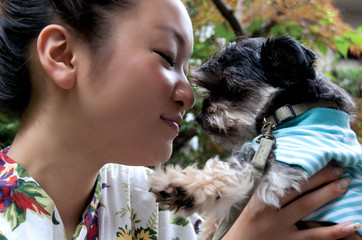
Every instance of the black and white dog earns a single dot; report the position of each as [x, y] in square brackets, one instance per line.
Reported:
[273, 79]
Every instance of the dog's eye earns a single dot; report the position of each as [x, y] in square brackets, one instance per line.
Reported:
[168, 59]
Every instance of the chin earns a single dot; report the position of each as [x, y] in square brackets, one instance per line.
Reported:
[162, 157]
[159, 155]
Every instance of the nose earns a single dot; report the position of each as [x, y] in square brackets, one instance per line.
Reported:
[184, 95]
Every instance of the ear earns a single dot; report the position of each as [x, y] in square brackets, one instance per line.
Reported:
[55, 51]
[286, 52]
[286, 59]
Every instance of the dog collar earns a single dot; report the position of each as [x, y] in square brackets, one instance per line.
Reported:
[289, 112]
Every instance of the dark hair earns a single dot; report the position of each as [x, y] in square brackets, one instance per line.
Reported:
[21, 21]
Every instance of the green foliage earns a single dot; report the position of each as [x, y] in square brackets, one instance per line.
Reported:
[204, 44]
[350, 37]
[8, 128]
[343, 43]
[222, 31]
[317, 24]
[255, 26]
[359, 133]
[289, 28]
[350, 79]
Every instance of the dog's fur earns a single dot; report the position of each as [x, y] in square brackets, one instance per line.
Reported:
[244, 83]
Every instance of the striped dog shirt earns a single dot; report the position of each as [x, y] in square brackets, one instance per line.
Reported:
[311, 141]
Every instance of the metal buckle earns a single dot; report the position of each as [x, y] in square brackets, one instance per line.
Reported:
[267, 132]
[293, 115]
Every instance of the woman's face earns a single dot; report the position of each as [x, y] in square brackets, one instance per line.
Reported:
[135, 99]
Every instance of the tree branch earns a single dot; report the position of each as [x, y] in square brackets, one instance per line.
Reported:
[239, 11]
[228, 14]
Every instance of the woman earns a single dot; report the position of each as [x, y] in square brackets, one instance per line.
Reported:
[96, 82]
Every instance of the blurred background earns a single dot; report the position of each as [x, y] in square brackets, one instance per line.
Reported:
[331, 28]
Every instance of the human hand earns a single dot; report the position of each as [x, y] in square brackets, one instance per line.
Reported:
[258, 221]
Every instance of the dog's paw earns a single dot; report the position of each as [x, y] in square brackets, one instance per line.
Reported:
[210, 191]
[170, 188]
[174, 198]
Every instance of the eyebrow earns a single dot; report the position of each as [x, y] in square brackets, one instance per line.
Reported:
[180, 39]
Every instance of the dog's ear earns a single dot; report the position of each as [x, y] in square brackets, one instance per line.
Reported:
[286, 62]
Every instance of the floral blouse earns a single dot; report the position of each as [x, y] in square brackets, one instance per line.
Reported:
[121, 208]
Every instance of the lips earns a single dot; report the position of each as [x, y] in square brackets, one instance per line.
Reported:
[173, 122]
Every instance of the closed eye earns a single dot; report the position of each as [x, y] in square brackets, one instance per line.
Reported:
[168, 59]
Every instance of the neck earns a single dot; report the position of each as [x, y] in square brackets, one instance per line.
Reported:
[64, 166]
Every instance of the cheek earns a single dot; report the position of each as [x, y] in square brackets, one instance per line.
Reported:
[148, 92]
[143, 80]
[131, 100]
[122, 102]
[162, 80]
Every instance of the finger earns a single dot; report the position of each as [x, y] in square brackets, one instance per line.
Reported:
[327, 233]
[313, 200]
[329, 173]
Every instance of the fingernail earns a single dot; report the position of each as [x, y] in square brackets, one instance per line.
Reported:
[351, 227]
[337, 171]
[344, 183]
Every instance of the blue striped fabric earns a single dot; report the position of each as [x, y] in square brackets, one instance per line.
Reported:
[314, 139]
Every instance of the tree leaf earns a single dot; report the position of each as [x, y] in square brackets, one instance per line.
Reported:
[315, 28]
[342, 45]
[278, 30]
[349, 33]
[357, 39]
[223, 32]
[295, 31]
[359, 29]
[321, 46]
[255, 25]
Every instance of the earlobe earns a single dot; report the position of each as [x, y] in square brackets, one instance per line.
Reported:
[56, 55]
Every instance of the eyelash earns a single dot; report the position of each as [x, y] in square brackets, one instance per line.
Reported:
[168, 59]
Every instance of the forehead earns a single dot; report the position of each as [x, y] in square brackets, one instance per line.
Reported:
[172, 10]
[169, 15]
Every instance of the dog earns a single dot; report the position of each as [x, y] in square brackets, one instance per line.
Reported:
[254, 79]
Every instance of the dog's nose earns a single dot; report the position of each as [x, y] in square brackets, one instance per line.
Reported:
[199, 118]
